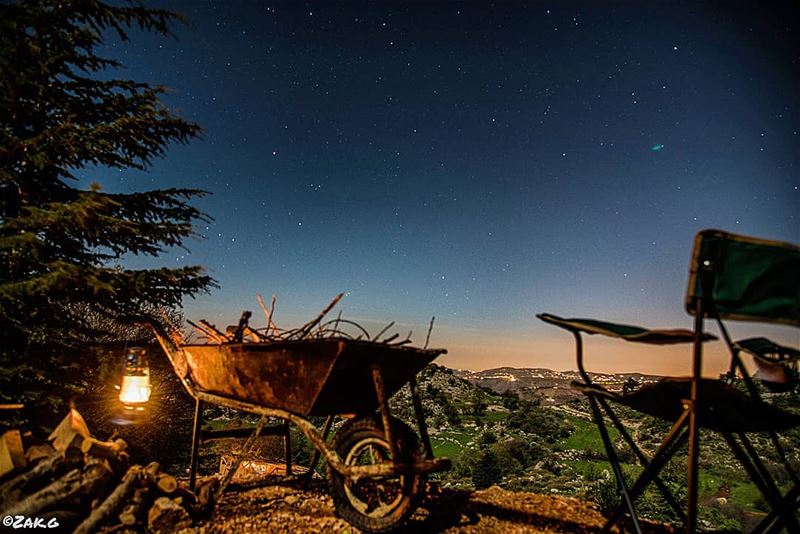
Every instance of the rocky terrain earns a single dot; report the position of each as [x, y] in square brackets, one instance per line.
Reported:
[285, 505]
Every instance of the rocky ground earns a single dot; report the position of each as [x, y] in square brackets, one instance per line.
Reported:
[286, 505]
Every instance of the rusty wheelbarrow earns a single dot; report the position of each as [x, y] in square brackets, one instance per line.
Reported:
[377, 465]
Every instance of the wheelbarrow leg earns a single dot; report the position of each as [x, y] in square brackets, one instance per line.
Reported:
[287, 447]
[421, 424]
[198, 423]
[315, 457]
[383, 406]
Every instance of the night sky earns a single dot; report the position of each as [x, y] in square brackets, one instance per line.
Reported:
[476, 162]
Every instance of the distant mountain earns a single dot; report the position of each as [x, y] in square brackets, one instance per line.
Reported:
[552, 387]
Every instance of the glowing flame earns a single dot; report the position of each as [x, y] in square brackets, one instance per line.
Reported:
[135, 389]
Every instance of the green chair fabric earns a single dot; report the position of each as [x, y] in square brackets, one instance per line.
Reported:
[750, 279]
[624, 331]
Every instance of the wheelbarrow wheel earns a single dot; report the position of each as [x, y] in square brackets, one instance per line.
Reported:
[376, 504]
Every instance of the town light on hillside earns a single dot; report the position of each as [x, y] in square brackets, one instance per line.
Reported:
[134, 391]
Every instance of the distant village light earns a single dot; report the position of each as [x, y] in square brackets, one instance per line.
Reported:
[134, 391]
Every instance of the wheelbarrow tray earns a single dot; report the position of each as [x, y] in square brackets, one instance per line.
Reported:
[306, 377]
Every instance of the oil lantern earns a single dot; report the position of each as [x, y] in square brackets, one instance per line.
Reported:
[134, 391]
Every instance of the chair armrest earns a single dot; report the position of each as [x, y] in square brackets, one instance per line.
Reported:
[767, 350]
[624, 331]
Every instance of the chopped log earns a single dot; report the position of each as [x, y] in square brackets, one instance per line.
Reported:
[119, 463]
[255, 335]
[213, 329]
[73, 456]
[186, 494]
[45, 469]
[140, 496]
[206, 497]
[152, 470]
[136, 510]
[129, 515]
[12, 455]
[69, 432]
[75, 483]
[105, 449]
[167, 516]
[63, 488]
[209, 333]
[35, 453]
[112, 503]
[237, 336]
[166, 483]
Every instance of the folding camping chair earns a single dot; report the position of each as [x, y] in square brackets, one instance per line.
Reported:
[734, 277]
[731, 277]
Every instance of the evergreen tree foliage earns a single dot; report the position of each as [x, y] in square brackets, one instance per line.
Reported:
[62, 280]
[487, 471]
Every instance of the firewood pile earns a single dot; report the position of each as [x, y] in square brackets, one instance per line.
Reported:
[87, 484]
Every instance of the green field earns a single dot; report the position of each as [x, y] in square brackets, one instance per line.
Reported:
[586, 436]
[450, 443]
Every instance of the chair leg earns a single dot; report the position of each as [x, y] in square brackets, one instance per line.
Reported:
[615, 466]
[691, 406]
[782, 455]
[643, 461]
[675, 439]
[748, 457]
[788, 505]
[759, 465]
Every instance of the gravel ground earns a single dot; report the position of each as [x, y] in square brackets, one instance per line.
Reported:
[284, 505]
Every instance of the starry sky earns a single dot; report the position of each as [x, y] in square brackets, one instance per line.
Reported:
[478, 162]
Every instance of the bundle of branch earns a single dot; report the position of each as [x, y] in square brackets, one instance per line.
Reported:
[314, 329]
[85, 484]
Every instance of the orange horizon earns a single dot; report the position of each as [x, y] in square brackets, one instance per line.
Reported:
[601, 355]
